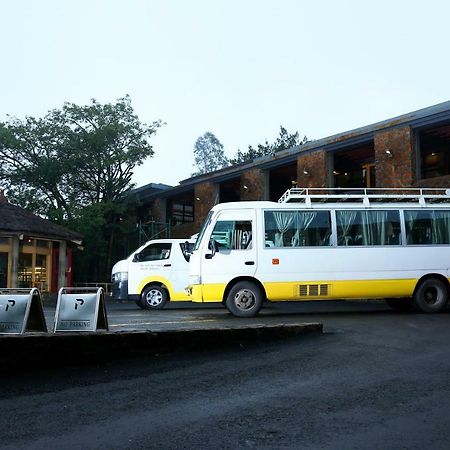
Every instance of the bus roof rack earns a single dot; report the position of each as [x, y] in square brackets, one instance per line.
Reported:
[422, 196]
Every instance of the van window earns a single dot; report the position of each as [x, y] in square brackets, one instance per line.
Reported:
[297, 228]
[427, 227]
[233, 234]
[368, 227]
[155, 252]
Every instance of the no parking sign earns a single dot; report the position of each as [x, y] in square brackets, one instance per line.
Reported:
[20, 311]
[80, 309]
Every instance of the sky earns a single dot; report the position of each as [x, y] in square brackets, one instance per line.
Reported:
[237, 68]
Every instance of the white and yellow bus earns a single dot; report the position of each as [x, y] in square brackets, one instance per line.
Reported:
[319, 244]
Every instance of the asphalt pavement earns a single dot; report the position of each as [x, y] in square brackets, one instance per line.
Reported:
[375, 379]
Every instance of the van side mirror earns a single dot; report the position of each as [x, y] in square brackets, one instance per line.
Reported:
[136, 257]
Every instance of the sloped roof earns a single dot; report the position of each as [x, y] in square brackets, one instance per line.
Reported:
[15, 220]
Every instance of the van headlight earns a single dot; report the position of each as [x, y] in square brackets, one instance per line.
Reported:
[120, 276]
[195, 279]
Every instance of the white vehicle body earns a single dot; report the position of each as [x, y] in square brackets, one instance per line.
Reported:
[323, 250]
[161, 263]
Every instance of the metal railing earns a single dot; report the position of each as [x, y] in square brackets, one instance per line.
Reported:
[366, 195]
[106, 286]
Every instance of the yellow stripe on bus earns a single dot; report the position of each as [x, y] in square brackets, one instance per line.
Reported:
[317, 290]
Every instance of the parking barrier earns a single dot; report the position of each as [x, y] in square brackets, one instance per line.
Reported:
[80, 309]
[21, 311]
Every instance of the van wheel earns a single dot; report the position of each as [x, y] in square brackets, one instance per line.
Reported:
[400, 304]
[154, 297]
[139, 303]
[244, 299]
[431, 296]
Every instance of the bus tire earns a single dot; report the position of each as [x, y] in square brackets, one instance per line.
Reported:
[431, 296]
[244, 299]
[400, 304]
[154, 297]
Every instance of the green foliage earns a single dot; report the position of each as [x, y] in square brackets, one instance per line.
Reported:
[209, 154]
[74, 166]
[73, 157]
[284, 141]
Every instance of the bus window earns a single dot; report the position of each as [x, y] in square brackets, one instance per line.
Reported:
[297, 228]
[368, 227]
[233, 234]
[427, 227]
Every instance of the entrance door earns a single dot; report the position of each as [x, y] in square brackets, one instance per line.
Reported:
[3, 269]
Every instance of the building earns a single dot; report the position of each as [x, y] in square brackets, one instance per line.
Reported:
[412, 150]
[34, 252]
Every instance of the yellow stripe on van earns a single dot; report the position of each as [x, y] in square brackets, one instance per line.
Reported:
[174, 296]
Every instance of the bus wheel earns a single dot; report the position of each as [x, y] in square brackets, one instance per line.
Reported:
[154, 297]
[244, 299]
[431, 296]
[400, 304]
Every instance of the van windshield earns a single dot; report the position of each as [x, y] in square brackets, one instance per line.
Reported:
[202, 230]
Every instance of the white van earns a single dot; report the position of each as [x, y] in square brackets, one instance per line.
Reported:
[155, 273]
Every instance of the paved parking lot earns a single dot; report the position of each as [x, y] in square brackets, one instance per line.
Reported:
[375, 379]
[127, 316]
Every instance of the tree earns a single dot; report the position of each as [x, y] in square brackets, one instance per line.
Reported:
[72, 166]
[208, 154]
[73, 157]
[284, 141]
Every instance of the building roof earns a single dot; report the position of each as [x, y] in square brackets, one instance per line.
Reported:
[422, 118]
[16, 220]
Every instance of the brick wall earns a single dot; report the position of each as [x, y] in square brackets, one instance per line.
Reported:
[437, 182]
[256, 181]
[316, 164]
[206, 195]
[397, 171]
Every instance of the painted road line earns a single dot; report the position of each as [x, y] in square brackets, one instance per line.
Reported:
[161, 323]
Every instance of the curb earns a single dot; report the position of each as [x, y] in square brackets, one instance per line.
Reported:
[37, 350]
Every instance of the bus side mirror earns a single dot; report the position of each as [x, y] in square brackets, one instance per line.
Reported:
[213, 247]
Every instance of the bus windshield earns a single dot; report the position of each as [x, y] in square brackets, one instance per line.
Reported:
[202, 230]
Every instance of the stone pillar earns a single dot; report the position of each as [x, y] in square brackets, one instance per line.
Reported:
[14, 261]
[206, 195]
[62, 264]
[315, 164]
[254, 185]
[394, 158]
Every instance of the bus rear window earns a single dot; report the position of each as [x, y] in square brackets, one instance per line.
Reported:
[427, 227]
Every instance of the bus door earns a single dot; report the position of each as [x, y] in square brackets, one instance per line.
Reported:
[231, 252]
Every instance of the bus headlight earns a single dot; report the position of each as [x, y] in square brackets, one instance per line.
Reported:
[195, 279]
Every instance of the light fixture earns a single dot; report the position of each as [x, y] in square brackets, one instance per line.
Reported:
[335, 172]
[245, 187]
[305, 172]
[197, 198]
[388, 153]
